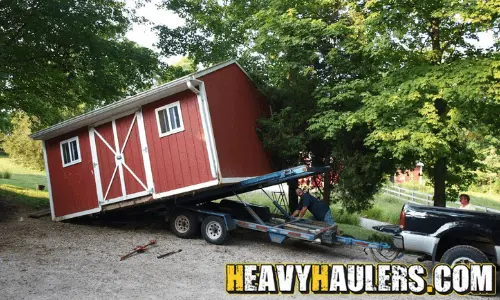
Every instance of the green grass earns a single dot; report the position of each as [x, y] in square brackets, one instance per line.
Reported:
[385, 209]
[361, 233]
[477, 198]
[21, 186]
[20, 176]
[482, 199]
[25, 196]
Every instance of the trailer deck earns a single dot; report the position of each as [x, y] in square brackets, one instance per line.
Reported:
[219, 218]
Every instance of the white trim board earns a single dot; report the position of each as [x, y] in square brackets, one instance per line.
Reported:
[127, 197]
[211, 138]
[95, 163]
[49, 186]
[209, 144]
[186, 189]
[145, 152]
[78, 214]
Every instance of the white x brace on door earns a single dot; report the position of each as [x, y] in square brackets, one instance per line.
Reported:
[121, 161]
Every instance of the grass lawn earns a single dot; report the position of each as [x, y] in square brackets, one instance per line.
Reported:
[361, 233]
[21, 176]
[481, 199]
[21, 186]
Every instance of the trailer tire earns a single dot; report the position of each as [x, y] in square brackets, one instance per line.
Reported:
[184, 224]
[463, 254]
[214, 231]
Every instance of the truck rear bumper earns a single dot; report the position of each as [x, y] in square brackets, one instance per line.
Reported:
[409, 240]
[415, 242]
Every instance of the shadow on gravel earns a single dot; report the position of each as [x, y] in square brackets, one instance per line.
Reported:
[126, 220]
[153, 221]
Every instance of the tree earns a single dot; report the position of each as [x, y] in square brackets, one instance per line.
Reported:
[297, 52]
[340, 74]
[439, 91]
[57, 55]
[20, 147]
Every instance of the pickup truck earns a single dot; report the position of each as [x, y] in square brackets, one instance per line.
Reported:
[447, 235]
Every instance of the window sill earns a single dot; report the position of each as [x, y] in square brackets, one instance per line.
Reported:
[72, 163]
[171, 132]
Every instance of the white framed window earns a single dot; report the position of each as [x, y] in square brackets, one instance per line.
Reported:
[169, 119]
[70, 151]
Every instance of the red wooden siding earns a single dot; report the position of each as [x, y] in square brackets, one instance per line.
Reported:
[73, 187]
[235, 106]
[180, 159]
[107, 162]
[132, 154]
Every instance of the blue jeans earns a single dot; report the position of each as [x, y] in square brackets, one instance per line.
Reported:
[328, 218]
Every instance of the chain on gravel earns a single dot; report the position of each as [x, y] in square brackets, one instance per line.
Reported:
[378, 256]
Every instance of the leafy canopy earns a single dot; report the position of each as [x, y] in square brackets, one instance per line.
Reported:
[368, 86]
[57, 55]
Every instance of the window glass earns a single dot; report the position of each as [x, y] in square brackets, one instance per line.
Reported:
[169, 119]
[70, 152]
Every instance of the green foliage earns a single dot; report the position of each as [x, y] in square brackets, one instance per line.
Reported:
[434, 95]
[341, 216]
[58, 54]
[364, 234]
[412, 129]
[5, 174]
[178, 70]
[384, 209]
[20, 147]
[488, 179]
[376, 85]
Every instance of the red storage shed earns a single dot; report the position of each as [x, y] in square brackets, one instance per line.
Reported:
[194, 133]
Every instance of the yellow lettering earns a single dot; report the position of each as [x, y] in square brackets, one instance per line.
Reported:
[234, 278]
[319, 278]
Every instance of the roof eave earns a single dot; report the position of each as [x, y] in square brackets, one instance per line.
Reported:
[127, 104]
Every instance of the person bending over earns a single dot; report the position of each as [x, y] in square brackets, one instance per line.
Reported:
[318, 209]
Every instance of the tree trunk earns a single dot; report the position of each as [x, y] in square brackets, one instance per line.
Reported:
[293, 199]
[327, 188]
[439, 182]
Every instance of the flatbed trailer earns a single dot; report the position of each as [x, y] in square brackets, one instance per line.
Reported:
[217, 219]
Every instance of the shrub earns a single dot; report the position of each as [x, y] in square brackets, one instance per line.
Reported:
[20, 147]
[6, 175]
[341, 216]
[374, 213]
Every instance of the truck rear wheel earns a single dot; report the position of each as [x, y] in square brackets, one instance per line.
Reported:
[184, 224]
[463, 254]
[214, 231]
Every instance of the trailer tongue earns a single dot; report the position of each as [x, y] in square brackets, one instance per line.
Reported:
[217, 219]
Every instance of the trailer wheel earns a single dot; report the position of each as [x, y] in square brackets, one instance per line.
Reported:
[184, 224]
[214, 231]
[463, 254]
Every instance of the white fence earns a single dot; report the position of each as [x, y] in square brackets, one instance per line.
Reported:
[416, 197]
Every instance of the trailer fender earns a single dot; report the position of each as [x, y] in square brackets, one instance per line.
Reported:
[228, 220]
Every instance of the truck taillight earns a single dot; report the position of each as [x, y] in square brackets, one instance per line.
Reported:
[402, 220]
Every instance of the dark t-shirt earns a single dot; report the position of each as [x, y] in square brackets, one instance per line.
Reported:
[316, 207]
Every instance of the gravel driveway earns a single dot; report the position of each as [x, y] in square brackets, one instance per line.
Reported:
[41, 259]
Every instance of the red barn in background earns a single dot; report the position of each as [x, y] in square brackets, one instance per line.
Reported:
[193, 133]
